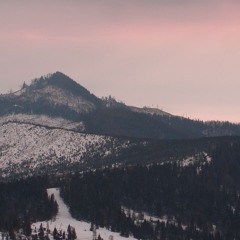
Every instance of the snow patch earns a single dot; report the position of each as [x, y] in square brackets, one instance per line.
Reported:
[141, 216]
[198, 159]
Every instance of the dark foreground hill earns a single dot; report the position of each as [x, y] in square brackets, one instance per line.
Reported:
[173, 200]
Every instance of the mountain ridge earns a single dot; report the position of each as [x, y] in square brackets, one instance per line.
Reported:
[57, 95]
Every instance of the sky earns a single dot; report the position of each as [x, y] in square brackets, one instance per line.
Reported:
[181, 56]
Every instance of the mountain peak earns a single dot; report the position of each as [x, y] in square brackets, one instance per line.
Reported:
[62, 81]
[54, 94]
[57, 79]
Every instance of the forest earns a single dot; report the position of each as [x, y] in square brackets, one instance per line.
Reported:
[23, 202]
[198, 202]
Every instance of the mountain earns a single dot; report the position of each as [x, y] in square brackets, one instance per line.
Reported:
[57, 95]
[54, 94]
[141, 172]
[59, 89]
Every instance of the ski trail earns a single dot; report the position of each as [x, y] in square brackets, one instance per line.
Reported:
[64, 218]
[63, 210]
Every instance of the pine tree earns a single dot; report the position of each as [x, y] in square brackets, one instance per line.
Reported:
[41, 232]
[12, 234]
[74, 235]
[28, 229]
[55, 233]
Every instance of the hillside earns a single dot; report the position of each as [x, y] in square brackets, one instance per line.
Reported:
[32, 148]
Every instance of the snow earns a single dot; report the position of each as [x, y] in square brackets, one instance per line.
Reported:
[26, 149]
[188, 161]
[63, 211]
[140, 217]
[144, 216]
[198, 159]
[64, 218]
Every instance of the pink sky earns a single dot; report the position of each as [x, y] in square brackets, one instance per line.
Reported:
[175, 54]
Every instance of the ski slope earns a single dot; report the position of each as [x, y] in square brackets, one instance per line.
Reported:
[64, 218]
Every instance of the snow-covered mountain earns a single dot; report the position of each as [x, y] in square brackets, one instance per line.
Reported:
[57, 90]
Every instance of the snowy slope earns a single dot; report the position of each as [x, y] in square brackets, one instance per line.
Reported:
[63, 219]
[27, 149]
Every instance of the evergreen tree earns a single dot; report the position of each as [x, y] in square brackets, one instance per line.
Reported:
[55, 233]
